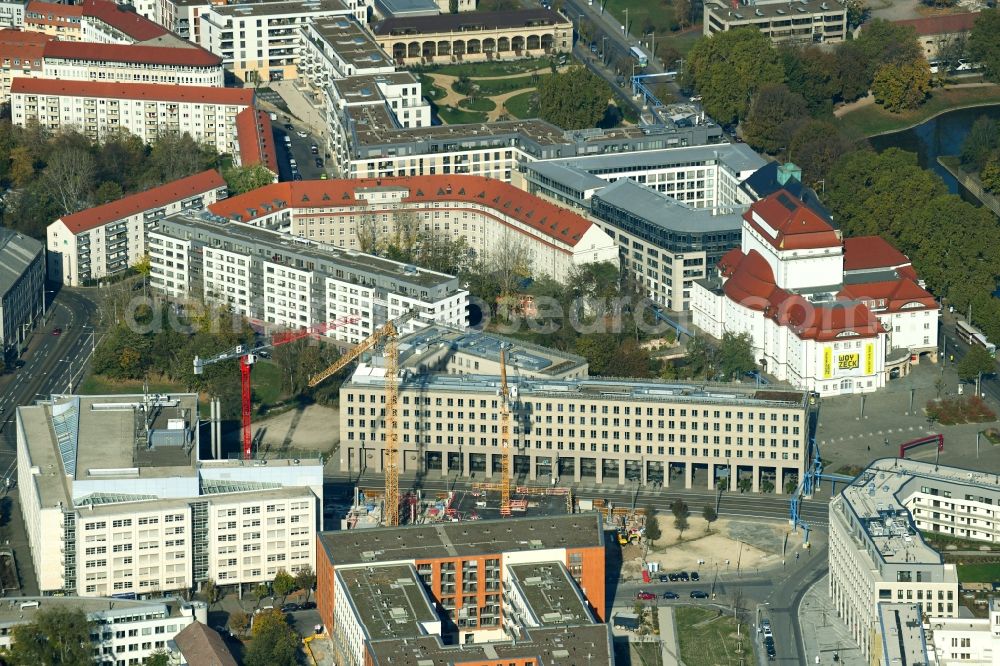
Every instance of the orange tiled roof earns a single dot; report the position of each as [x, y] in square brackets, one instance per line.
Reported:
[798, 227]
[134, 53]
[871, 252]
[255, 138]
[146, 91]
[128, 21]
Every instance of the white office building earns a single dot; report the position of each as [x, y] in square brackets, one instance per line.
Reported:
[22, 289]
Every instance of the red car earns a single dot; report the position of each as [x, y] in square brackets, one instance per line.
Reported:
[56, 331]
[645, 596]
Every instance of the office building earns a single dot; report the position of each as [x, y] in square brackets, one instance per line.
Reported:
[602, 430]
[488, 213]
[824, 314]
[105, 240]
[966, 641]
[293, 282]
[900, 637]
[261, 41]
[22, 289]
[801, 21]
[459, 586]
[472, 37]
[123, 631]
[877, 551]
[117, 500]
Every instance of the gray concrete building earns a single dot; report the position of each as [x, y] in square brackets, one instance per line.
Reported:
[810, 21]
[22, 288]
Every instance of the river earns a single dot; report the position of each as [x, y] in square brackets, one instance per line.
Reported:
[942, 135]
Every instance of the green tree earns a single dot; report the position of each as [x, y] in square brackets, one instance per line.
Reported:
[980, 143]
[728, 68]
[857, 12]
[883, 43]
[990, 174]
[815, 147]
[574, 99]
[175, 156]
[158, 658]
[975, 362]
[701, 357]
[239, 622]
[57, 637]
[260, 592]
[772, 117]
[652, 532]
[984, 47]
[736, 356]
[899, 87]
[812, 73]
[283, 584]
[305, 579]
[710, 516]
[246, 178]
[106, 192]
[22, 166]
[680, 510]
[210, 592]
[274, 642]
[853, 78]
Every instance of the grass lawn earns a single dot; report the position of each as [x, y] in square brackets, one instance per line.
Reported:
[492, 68]
[708, 640]
[451, 116]
[478, 104]
[101, 385]
[431, 91]
[649, 653]
[873, 119]
[524, 105]
[491, 87]
[266, 382]
[978, 573]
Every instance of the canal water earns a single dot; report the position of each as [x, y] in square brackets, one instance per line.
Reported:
[938, 136]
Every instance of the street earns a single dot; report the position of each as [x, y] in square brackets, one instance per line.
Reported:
[299, 150]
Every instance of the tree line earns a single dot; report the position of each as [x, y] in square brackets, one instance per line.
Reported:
[981, 152]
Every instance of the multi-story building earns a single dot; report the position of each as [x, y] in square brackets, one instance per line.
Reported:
[261, 41]
[817, 309]
[295, 283]
[405, 8]
[471, 37]
[488, 213]
[605, 430]
[12, 13]
[966, 641]
[107, 22]
[181, 17]
[935, 33]
[146, 110]
[55, 20]
[117, 501]
[812, 21]
[394, 95]
[123, 631]
[877, 550]
[22, 288]
[674, 212]
[338, 48]
[21, 54]
[483, 587]
[107, 239]
[254, 143]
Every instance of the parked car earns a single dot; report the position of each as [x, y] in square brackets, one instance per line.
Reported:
[307, 605]
[645, 596]
[683, 576]
[319, 163]
[671, 595]
[289, 127]
[698, 594]
[673, 578]
[695, 577]
[302, 134]
[314, 149]
[290, 608]
[664, 578]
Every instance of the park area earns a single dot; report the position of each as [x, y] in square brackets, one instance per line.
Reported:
[708, 637]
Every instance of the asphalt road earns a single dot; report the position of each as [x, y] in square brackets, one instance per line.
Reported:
[990, 384]
[300, 151]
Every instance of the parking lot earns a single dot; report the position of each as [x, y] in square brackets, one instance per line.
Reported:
[297, 147]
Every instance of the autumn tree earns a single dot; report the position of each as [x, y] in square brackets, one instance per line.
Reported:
[239, 622]
[710, 516]
[283, 584]
[772, 117]
[815, 146]
[653, 532]
[899, 87]
[305, 579]
[274, 642]
[246, 178]
[57, 636]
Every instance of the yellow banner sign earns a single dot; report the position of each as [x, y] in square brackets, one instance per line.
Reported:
[869, 359]
[849, 361]
[827, 363]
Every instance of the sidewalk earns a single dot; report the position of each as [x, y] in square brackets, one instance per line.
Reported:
[670, 646]
[823, 634]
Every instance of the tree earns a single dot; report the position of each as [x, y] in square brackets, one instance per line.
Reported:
[885, 43]
[680, 510]
[284, 584]
[745, 484]
[852, 71]
[57, 637]
[710, 516]
[857, 12]
[980, 143]
[274, 642]
[701, 357]
[984, 47]
[246, 178]
[367, 233]
[812, 73]
[239, 622]
[158, 658]
[69, 176]
[305, 579]
[509, 262]
[728, 68]
[653, 532]
[261, 592]
[574, 99]
[815, 147]
[22, 166]
[106, 192]
[977, 361]
[210, 592]
[174, 156]
[769, 123]
[951, 49]
[899, 87]
[736, 357]
[990, 174]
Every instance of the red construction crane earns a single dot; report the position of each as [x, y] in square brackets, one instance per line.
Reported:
[247, 357]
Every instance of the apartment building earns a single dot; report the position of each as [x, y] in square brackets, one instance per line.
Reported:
[107, 22]
[21, 56]
[146, 110]
[337, 48]
[123, 631]
[117, 501]
[181, 17]
[466, 590]
[105, 240]
[474, 36]
[293, 282]
[22, 289]
[966, 641]
[12, 13]
[254, 142]
[486, 212]
[803, 21]
[877, 551]
[261, 41]
[602, 430]
[55, 20]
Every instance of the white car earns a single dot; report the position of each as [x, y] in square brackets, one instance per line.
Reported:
[302, 134]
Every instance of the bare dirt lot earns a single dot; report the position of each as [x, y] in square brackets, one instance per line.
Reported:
[312, 428]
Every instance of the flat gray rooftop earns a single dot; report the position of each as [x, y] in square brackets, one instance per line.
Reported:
[11, 612]
[384, 130]
[552, 595]
[390, 600]
[264, 8]
[395, 8]
[587, 645]
[468, 21]
[903, 638]
[559, 171]
[351, 42]
[738, 157]
[663, 211]
[466, 539]
[17, 252]
[777, 9]
[364, 89]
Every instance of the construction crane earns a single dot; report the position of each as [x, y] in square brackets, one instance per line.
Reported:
[386, 337]
[504, 437]
[247, 357]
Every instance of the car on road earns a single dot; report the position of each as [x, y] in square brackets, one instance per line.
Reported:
[289, 127]
[593, 47]
[319, 163]
[314, 149]
[645, 596]
[698, 594]
[56, 331]
[765, 627]
[671, 595]
[302, 134]
[323, 176]
[289, 608]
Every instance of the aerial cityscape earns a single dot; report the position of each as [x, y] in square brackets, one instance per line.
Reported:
[499, 332]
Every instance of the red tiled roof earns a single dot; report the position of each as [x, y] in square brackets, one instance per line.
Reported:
[871, 252]
[128, 21]
[146, 91]
[23, 46]
[135, 53]
[889, 295]
[948, 24]
[255, 138]
[142, 201]
[553, 221]
[50, 12]
[751, 281]
[798, 227]
[10, 36]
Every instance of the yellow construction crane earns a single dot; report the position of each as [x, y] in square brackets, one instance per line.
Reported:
[386, 336]
[504, 438]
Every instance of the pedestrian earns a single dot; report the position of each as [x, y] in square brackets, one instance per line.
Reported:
[869, 447]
